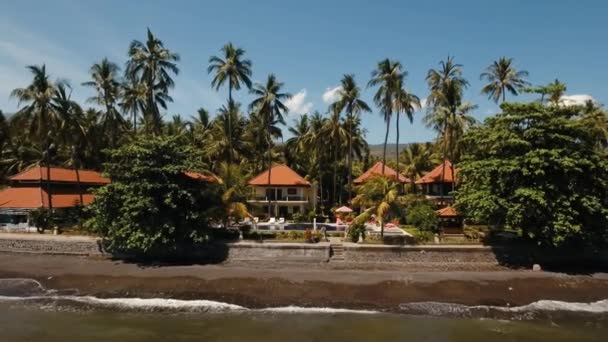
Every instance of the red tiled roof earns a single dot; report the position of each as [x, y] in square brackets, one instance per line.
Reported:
[434, 176]
[280, 175]
[377, 170]
[36, 197]
[201, 177]
[447, 212]
[38, 173]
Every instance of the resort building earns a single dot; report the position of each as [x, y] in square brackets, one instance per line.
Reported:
[438, 184]
[287, 193]
[377, 170]
[29, 190]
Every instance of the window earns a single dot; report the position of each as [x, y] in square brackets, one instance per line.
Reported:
[292, 191]
[296, 210]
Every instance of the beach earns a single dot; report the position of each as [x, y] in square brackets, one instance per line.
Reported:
[267, 284]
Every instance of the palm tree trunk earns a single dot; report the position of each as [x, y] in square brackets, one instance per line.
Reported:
[388, 122]
[320, 182]
[350, 157]
[382, 227]
[503, 94]
[230, 105]
[397, 157]
[333, 197]
[269, 164]
[48, 182]
[445, 147]
[80, 197]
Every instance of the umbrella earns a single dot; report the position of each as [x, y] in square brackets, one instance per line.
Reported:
[344, 209]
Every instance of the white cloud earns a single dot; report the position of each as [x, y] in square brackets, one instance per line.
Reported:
[331, 94]
[297, 103]
[577, 99]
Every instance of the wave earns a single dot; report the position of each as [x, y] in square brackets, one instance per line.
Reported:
[30, 291]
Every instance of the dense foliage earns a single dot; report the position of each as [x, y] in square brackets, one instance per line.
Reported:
[538, 168]
[151, 203]
[422, 216]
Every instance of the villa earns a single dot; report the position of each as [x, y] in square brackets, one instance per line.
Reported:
[438, 184]
[29, 190]
[287, 193]
[377, 170]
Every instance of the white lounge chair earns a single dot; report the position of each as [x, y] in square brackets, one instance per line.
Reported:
[281, 220]
[272, 220]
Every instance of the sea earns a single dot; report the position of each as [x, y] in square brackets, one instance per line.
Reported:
[29, 312]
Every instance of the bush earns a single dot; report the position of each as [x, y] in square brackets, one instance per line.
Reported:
[42, 219]
[422, 216]
[421, 237]
[295, 235]
[355, 230]
[393, 240]
[475, 233]
[308, 235]
[151, 204]
[297, 217]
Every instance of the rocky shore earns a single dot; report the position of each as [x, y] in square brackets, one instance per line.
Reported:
[268, 284]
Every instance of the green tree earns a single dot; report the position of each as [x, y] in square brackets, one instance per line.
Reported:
[387, 76]
[152, 64]
[107, 88]
[554, 90]
[151, 204]
[407, 103]
[446, 112]
[335, 133]
[418, 158]
[537, 168]
[234, 70]
[379, 195]
[269, 106]
[349, 100]
[503, 77]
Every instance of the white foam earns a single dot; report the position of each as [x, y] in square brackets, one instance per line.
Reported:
[554, 305]
[298, 309]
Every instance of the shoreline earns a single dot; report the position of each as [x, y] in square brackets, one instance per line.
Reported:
[275, 284]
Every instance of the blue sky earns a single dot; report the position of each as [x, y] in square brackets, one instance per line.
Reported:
[309, 45]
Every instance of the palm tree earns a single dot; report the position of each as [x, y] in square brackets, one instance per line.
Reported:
[388, 77]
[233, 69]
[502, 77]
[268, 104]
[229, 118]
[104, 81]
[296, 151]
[417, 159]
[133, 100]
[315, 142]
[151, 63]
[349, 99]
[38, 115]
[70, 131]
[407, 103]
[336, 135]
[379, 195]
[447, 86]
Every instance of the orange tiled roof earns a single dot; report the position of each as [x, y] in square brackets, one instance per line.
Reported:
[281, 175]
[36, 197]
[447, 212]
[201, 177]
[434, 176]
[38, 173]
[377, 170]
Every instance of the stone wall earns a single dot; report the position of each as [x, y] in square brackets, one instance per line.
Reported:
[279, 251]
[44, 244]
[405, 254]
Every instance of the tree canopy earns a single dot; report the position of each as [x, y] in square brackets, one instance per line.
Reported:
[537, 168]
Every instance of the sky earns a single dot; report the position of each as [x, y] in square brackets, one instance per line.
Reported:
[310, 45]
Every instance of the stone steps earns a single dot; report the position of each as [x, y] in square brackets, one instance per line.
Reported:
[337, 252]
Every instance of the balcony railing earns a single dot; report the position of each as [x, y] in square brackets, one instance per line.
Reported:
[287, 198]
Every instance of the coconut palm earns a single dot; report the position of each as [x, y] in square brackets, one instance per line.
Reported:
[104, 81]
[133, 100]
[349, 100]
[233, 69]
[379, 195]
[387, 76]
[316, 144]
[229, 118]
[407, 103]
[503, 77]
[37, 115]
[444, 103]
[152, 64]
[268, 103]
[336, 137]
[296, 151]
[418, 158]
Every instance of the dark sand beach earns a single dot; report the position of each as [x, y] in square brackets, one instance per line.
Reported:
[268, 284]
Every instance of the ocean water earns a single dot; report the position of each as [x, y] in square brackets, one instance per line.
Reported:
[28, 312]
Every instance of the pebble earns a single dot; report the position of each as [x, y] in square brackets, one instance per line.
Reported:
[536, 267]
